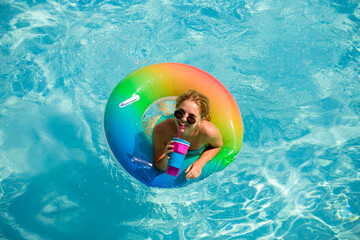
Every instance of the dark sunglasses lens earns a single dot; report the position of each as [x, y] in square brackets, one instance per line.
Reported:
[178, 114]
[191, 120]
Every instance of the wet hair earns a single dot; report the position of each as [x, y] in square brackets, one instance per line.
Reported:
[201, 100]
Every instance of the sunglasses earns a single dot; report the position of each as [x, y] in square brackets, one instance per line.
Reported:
[180, 114]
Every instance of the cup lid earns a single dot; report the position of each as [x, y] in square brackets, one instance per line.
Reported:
[179, 140]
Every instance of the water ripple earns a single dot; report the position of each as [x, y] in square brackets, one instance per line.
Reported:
[291, 66]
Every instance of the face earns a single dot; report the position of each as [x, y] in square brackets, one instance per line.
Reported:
[190, 110]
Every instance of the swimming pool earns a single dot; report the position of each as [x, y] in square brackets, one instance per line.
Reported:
[292, 67]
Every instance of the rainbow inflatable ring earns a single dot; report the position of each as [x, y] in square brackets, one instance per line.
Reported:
[140, 90]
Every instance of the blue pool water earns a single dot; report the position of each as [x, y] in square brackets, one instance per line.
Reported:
[292, 66]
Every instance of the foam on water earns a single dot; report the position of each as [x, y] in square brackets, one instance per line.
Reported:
[292, 67]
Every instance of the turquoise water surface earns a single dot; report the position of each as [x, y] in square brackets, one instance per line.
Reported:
[292, 66]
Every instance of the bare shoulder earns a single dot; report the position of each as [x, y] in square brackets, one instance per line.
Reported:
[210, 130]
[163, 127]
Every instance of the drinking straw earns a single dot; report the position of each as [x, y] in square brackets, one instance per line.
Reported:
[181, 127]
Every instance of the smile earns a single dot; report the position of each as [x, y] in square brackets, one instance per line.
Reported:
[182, 124]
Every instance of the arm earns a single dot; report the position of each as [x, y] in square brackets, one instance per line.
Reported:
[215, 144]
[161, 147]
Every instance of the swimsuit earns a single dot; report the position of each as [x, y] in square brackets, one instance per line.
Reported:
[195, 152]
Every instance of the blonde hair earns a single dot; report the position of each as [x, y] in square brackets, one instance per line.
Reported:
[201, 100]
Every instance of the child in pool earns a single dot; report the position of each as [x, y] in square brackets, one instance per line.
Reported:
[193, 113]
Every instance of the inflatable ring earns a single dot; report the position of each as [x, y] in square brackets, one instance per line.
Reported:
[140, 90]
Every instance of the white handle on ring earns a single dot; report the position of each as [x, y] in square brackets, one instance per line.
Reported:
[142, 162]
[129, 101]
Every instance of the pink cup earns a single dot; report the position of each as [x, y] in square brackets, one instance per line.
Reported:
[177, 157]
[180, 145]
